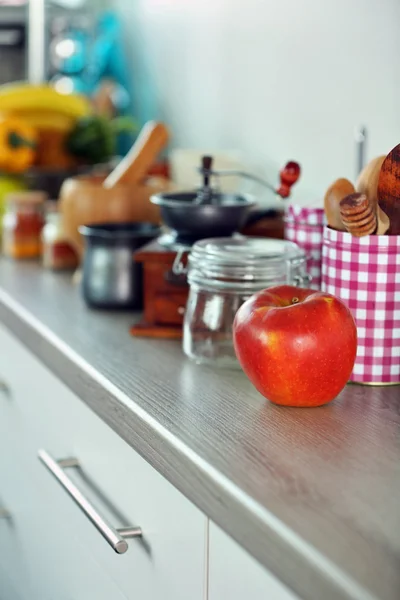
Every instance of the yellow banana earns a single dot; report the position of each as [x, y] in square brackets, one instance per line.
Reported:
[24, 97]
[45, 119]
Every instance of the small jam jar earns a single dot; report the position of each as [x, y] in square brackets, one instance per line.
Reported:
[223, 273]
[22, 224]
[58, 254]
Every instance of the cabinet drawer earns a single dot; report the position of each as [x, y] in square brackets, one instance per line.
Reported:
[39, 559]
[168, 562]
[234, 574]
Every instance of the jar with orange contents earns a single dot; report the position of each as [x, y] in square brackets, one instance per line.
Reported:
[58, 254]
[22, 225]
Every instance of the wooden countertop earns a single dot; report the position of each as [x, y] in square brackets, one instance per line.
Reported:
[313, 494]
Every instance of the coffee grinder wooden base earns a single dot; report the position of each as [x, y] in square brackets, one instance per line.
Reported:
[164, 293]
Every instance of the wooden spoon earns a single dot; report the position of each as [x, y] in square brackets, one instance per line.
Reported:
[134, 166]
[367, 183]
[335, 193]
[389, 189]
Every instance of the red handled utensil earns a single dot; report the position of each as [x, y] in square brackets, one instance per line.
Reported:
[289, 175]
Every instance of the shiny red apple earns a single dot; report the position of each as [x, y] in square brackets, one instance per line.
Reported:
[297, 346]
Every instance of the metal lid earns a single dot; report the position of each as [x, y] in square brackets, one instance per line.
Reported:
[243, 261]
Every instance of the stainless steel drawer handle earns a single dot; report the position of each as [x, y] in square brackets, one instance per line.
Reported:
[115, 537]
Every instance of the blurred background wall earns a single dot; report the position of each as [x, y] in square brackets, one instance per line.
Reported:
[276, 80]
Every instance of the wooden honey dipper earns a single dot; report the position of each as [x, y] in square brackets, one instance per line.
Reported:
[334, 195]
[358, 214]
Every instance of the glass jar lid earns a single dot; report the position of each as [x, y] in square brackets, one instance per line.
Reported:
[243, 262]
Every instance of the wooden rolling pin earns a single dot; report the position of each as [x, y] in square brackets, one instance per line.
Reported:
[134, 166]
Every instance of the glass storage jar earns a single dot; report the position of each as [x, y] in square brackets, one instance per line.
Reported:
[222, 274]
[22, 224]
[58, 254]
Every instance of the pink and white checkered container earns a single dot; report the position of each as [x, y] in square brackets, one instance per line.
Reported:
[305, 226]
[365, 273]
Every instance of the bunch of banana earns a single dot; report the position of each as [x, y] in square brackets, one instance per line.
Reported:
[42, 106]
[47, 112]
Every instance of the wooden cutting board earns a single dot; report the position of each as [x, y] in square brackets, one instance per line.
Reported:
[389, 189]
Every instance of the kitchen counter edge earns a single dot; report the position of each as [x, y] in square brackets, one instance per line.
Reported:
[250, 524]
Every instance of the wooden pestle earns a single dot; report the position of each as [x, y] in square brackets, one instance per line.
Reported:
[335, 193]
[358, 214]
[134, 166]
[93, 199]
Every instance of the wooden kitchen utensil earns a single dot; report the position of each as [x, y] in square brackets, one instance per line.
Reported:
[358, 214]
[389, 189]
[383, 220]
[335, 193]
[122, 196]
[367, 183]
[134, 166]
[84, 200]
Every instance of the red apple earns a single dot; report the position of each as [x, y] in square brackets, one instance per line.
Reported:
[296, 346]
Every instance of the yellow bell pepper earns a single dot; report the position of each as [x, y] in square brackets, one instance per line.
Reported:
[18, 141]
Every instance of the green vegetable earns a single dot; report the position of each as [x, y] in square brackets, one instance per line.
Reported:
[94, 138]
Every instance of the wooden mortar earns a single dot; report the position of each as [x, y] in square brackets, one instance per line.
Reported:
[121, 196]
[84, 200]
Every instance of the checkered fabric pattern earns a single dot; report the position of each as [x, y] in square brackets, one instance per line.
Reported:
[304, 226]
[365, 273]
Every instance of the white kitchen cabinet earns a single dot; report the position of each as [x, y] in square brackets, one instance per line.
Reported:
[39, 559]
[49, 549]
[235, 575]
[38, 411]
